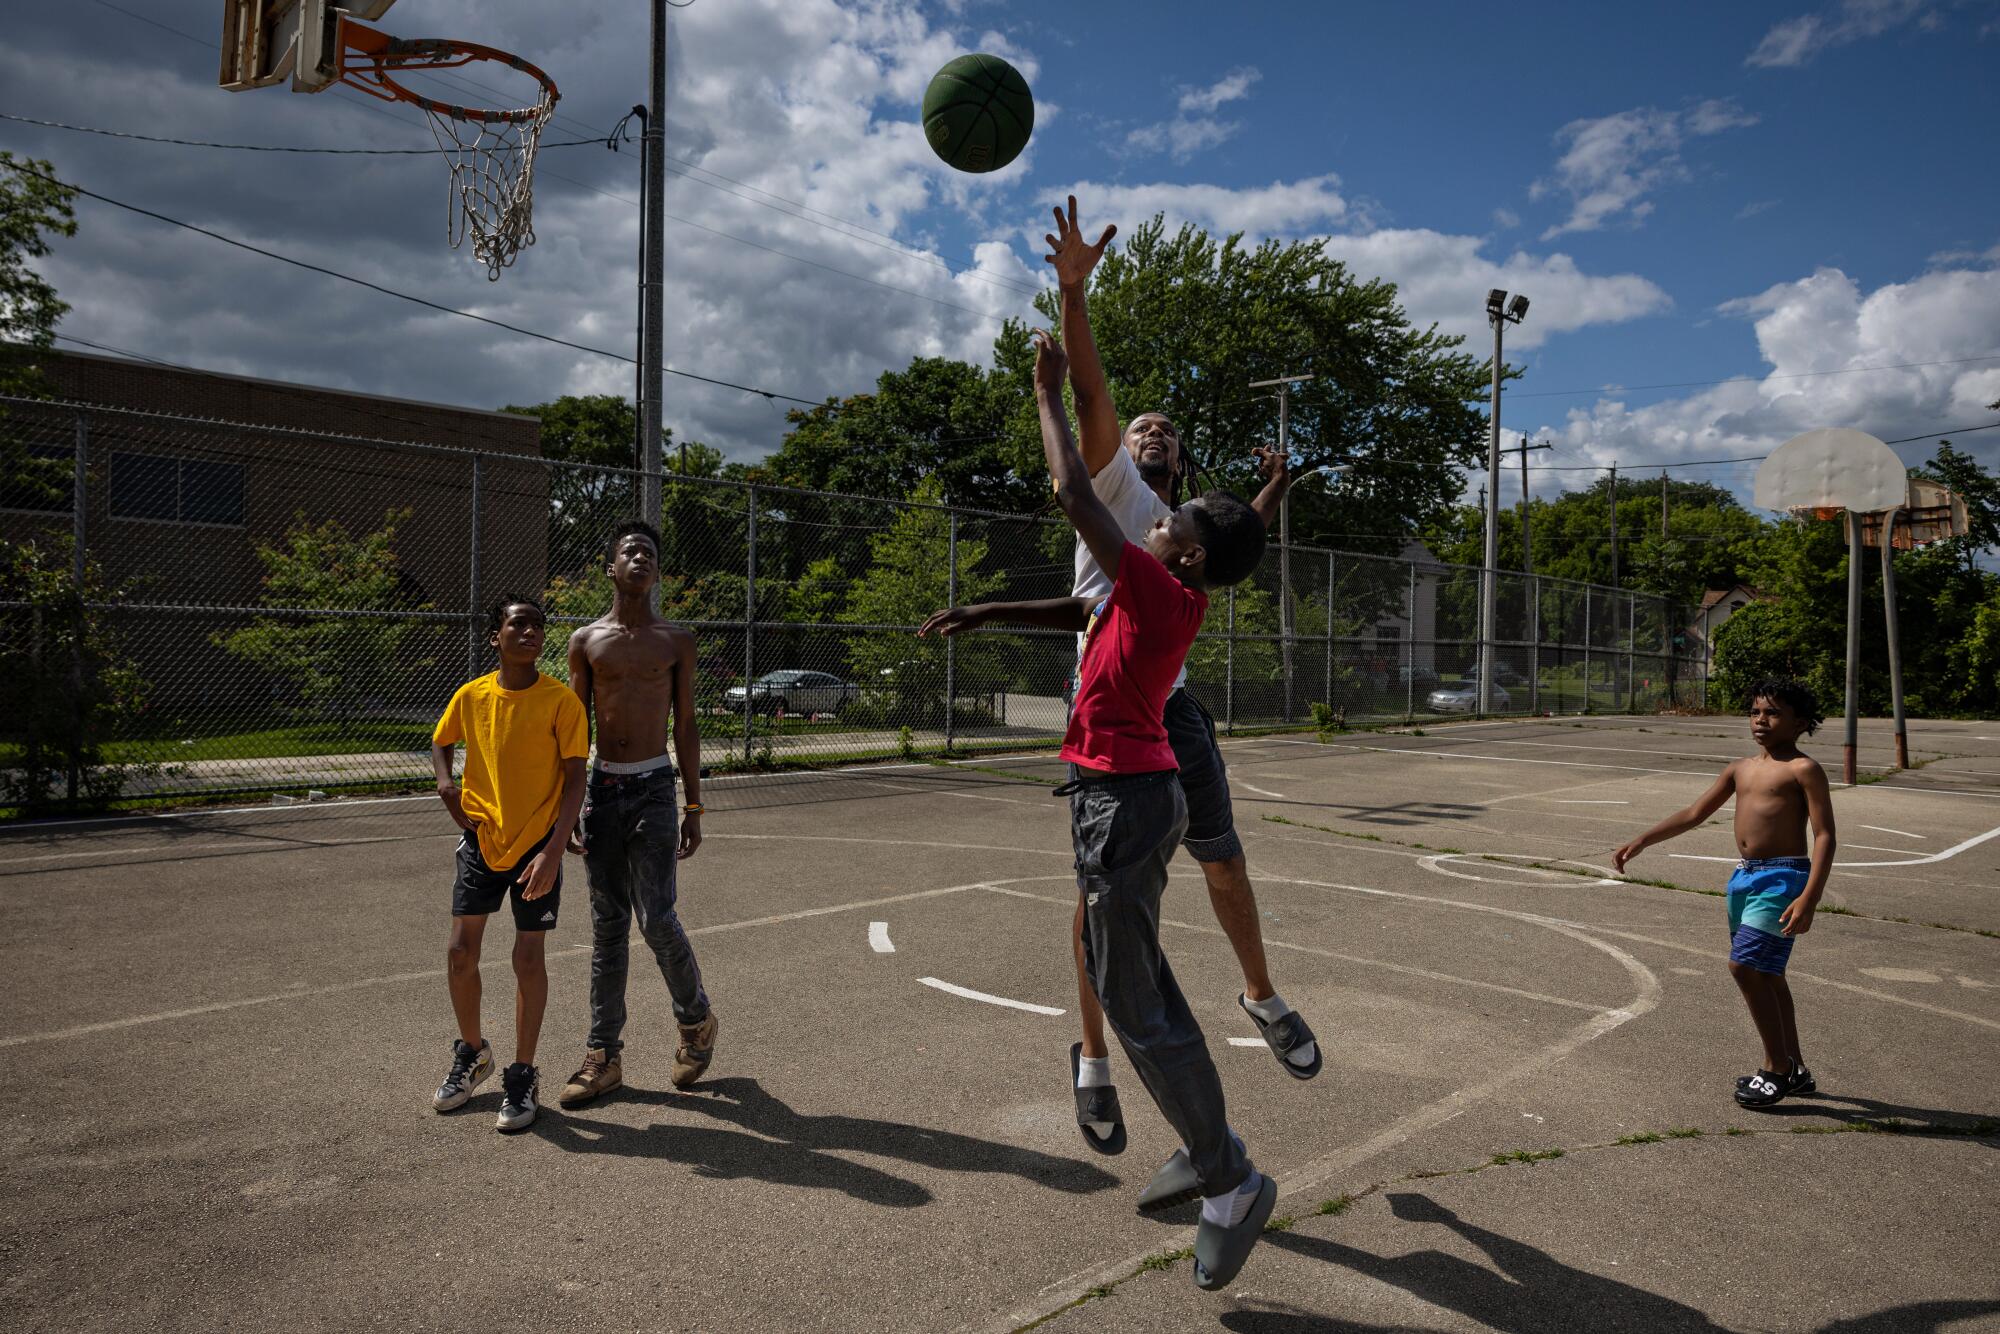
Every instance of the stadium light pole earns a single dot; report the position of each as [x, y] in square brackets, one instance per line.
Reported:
[1500, 312]
[652, 300]
[1284, 384]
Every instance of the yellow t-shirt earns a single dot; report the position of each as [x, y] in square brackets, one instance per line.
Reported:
[515, 743]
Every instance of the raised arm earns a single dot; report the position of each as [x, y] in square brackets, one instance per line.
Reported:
[581, 684]
[687, 743]
[1093, 523]
[1074, 259]
[1276, 470]
[1681, 821]
[1046, 614]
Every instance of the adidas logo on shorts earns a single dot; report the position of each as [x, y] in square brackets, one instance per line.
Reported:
[548, 917]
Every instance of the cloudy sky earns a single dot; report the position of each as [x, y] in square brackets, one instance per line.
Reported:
[1729, 218]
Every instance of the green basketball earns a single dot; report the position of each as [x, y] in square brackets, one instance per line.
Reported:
[978, 113]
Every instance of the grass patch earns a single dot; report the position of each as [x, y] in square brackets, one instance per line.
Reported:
[1836, 910]
[1328, 1208]
[1686, 1132]
[1734, 1130]
[1281, 1224]
[1165, 1260]
[1643, 1137]
[1524, 1156]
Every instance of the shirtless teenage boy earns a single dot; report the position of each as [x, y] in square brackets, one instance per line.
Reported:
[1777, 885]
[633, 671]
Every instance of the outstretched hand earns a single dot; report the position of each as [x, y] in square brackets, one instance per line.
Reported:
[1051, 363]
[1272, 465]
[1625, 854]
[1073, 257]
[951, 621]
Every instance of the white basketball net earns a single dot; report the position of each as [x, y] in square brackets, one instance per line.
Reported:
[492, 193]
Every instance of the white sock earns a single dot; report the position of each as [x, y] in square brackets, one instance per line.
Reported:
[1095, 1072]
[1271, 1011]
[1231, 1209]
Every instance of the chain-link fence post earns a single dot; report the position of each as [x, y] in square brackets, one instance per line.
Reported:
[1328, 678]
[1534, 629]
[750, 626]
[472, 583]
[950, 649]
[1229, 668]
[1631, 653]
[1410, 653]
[1586, 648]
[79, 475]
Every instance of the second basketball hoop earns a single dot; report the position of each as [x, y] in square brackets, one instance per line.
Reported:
[491, 152]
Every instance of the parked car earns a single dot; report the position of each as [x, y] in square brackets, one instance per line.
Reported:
[1502, 674]
[794, 691]
[1464, 698]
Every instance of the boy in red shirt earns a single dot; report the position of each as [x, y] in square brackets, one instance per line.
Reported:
[1127, 812]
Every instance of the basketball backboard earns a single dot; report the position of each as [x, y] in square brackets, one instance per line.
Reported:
[1832, 469]
[1934, 513]
[268, 41]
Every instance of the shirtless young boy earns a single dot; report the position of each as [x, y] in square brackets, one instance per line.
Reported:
[1777, 885]
[633, 671]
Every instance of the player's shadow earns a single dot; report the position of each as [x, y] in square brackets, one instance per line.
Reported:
[791, 1148]
[1913, 1318]
[1533, 1292]
[1848, 1109]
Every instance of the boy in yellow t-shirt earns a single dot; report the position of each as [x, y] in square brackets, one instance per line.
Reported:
[526, 741]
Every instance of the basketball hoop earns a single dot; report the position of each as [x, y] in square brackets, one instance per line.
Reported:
[492, 153]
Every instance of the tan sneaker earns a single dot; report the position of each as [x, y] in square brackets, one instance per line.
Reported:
[601, 1073]
[697, 1049]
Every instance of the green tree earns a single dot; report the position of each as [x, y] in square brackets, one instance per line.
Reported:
[33, 209]
[66, 686]
[907, 580]
[337, 664]
[1183, 323]
[1981, 491]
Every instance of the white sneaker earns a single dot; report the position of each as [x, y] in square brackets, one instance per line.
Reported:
[518, 1108]
[469, 1069]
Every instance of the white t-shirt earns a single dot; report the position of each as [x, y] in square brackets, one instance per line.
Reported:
[1136, 508]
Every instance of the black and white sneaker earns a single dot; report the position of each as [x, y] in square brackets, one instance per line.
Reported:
[520, 1084]
[469, 1069]
[1762, 1089]
[1800, 1080]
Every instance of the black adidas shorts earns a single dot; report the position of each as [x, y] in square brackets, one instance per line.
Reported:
[479, 889]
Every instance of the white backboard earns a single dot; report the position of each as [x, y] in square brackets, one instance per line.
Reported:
[1833, 468]
[270, 41]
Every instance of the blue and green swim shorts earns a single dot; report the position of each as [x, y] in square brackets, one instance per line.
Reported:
[1759, 891]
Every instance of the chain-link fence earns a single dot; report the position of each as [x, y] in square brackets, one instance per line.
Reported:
[196, 607]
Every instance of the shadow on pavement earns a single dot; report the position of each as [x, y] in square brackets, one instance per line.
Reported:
[1915, 1318]
[791, 1148]
[1915, 1120]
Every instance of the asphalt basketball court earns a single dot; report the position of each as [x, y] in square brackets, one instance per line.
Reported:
[221, 1030]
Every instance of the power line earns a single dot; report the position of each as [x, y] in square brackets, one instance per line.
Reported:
[259, 148]
[403, 296]
[1740, 379]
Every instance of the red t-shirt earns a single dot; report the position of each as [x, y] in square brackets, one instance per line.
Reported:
[1137, 640]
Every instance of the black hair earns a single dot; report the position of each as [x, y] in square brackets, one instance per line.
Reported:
[625, 530]
[1231, 533]
[496, 615]
[1795, 695]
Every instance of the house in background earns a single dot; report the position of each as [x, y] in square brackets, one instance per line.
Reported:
[1717, 606]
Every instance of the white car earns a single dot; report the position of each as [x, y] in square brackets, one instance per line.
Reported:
[1464, 698]
[794, 691]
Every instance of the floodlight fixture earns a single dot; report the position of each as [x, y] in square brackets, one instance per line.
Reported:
[1517, 309]
[1495, 299]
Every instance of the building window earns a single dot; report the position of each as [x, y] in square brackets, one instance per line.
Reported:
[1388, 634]
[172, 490]
[43, 480]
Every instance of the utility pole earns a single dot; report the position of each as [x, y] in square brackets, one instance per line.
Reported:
[1663, 504]
[1284, 384]
[1614, 525]
[1524, 449]
[652, 299]
[1500, 312]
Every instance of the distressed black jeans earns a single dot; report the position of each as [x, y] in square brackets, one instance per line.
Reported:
[631, 831]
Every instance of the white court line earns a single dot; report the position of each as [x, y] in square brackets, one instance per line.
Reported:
[1248, 1042]
[1261, 791]
[1880, 830]
[1870, 847]
[1494, 759]
[249, 843]
[970, 994]
[1934, 858]
[878, 938]
[1314, 1175]
[303, 993]
[1574, 801]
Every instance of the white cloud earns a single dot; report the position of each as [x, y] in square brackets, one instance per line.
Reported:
[1194, 127]
[1506, 218]
[1611, 163]
[1753, 208]
[1232, 87]
[1928, 327]
[1797, 40]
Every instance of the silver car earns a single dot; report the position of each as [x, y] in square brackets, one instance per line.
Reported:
[794, 691]
[1464, 698]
